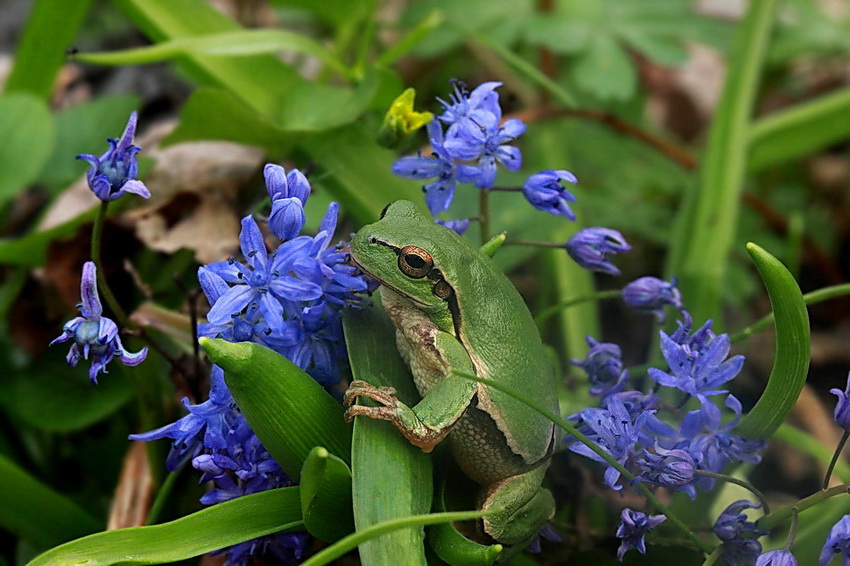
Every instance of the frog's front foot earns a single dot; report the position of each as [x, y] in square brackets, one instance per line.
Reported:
[392, 410]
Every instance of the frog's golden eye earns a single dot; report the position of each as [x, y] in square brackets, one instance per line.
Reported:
[415, 262]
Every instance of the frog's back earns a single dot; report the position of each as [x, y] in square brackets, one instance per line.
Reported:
[507, 349]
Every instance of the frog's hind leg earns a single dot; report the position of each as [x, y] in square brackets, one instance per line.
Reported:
[520, 506]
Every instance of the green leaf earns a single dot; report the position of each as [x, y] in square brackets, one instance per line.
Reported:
[391, 477]
[404, 45]
[288, 410]
[83, 128]
[800, 130]
[38, 398]
[51, 28]
[791, 361]
[454, 548]
[216, 114]
[358, 172]
[560, 35]
[36, 513]
[259, 81]
[31, 250]
[326, 496]
[28, 134]
[605, 69]
[213, 528]
[708, 218]
[229, 44]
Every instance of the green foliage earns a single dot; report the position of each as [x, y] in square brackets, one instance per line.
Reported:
[392, 478]
[28, 134]
[207, 530]
[290, 413]
[791, 363]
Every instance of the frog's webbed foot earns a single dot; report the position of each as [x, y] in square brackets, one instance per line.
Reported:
[392, 410]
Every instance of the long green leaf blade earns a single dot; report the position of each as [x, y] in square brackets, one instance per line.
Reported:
[791, 362]
[50, 30]
[799, 130]
[210, 529]
[391, 477]
[707, 222]
[36, 513]
[233, 43]
[288, 410]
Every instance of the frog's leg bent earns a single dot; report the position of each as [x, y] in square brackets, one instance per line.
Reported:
[519, 507]
[430, 420]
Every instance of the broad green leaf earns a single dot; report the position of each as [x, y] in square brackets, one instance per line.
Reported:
[605, 69]
[31, 250]
[560, 35]
[38, 514]
[791, 361]
[391, 477]
[28, 134]
[230, 43]
[84, 128]
[216, 114]
[310, 107]
[357, 171]
[288, 410]
[50, 30]
[800, 130]
[326, 496]
[708, 218]
[38, 397]
[213, 528]
[259, 81]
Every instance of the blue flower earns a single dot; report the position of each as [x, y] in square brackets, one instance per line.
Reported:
[668, 468]
[95, 335]
[698, 365]
[114, 173]
[589, 246]
[651, 295]
[488, 146]
[838, 542]
[460, 226]
[776, 558]
[289, 194]
[604, 367]
[466, 113]
[842, 408]
[545, 192]
[441, 167]
[712, 443]
[206, 427]
[738, 534]
[633, 527]
[615, 430]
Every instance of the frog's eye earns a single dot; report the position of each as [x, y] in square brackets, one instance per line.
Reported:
[386, 208]
[415, 262]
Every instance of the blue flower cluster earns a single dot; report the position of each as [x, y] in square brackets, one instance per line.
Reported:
[288, 299]
[474, 142]
[635, 427]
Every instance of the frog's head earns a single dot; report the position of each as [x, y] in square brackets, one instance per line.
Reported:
[409, 254]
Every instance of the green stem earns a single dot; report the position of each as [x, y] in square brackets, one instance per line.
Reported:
[535, 243]
[610, 460]
[792, 532]
[102, 285]
[768, 522]
[835, 457]
[162, 495]
[746, 485]
[818, 296]
[484, 214]
[563, 305]
[713, 557]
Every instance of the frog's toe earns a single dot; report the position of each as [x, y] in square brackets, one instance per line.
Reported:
[384, 395]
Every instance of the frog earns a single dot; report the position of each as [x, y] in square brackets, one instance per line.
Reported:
[456, 313]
